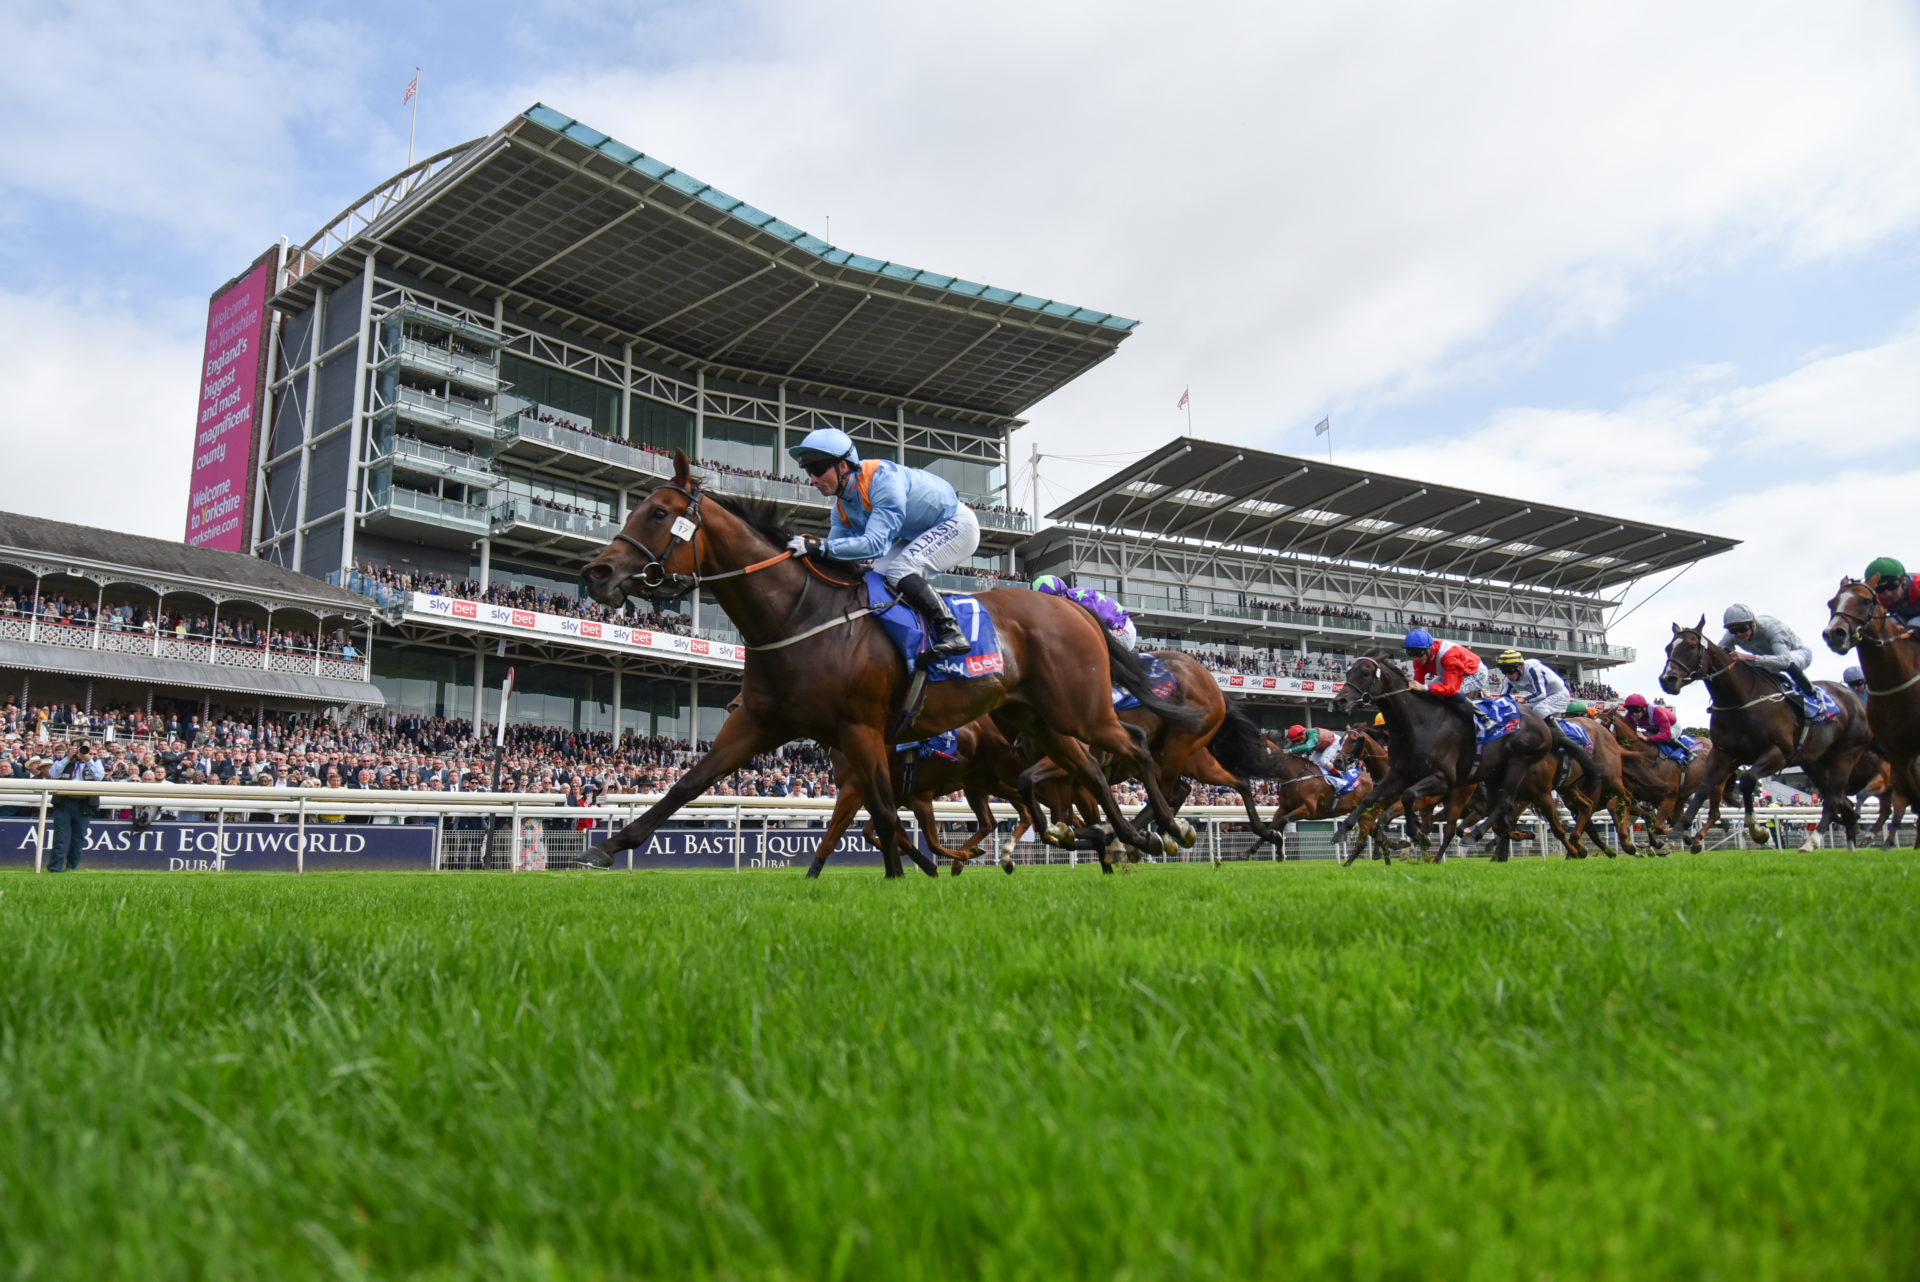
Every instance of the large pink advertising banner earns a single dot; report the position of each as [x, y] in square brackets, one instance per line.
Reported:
[230, 373]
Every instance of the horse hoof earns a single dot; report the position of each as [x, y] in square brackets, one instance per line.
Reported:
[1060, 834]
[598, 857]
[1006, 866]
[1185, 834]
[1170, 847]
[1810, 844]
[955, 867]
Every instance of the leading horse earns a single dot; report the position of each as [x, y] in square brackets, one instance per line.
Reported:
[1890, 657]
[1754, 726]
[820, 666]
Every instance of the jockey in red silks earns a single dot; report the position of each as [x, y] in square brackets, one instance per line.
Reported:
[1654, 721]
[1446, 670]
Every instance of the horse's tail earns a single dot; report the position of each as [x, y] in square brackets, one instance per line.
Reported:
[1131, 675]
[1238, 746]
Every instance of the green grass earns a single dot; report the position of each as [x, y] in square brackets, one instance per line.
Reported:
[1702, 1067]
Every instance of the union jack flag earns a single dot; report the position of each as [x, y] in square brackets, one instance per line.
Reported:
[1183, 398]
[412, 85]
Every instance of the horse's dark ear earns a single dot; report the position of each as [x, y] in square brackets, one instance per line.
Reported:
[1676, 629]
[682, 468]
[1701, 627]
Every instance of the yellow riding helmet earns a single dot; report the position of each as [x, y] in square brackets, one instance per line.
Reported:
[1379, 718]
[1510, 659]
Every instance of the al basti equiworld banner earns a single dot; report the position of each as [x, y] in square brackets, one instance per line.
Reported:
[233, 371]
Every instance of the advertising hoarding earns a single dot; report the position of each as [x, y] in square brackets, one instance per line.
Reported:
[233, 370]
[204, 846]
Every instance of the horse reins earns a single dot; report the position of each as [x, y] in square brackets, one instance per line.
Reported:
[1857, 635]
[686, 529]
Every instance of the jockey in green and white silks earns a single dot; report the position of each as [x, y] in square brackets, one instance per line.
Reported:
[907, 522]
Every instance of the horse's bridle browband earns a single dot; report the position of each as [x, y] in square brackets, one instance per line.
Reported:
[1368, 696]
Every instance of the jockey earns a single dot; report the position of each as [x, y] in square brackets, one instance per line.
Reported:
[1316, 745]
[1856, 681]
[1767, 644]
[1897, 590]
[1446, 670]
[909, 523]
[1539, 687]
[1112, 615]
[1654, 721]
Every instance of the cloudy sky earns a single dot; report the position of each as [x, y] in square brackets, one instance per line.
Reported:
[1662, 260]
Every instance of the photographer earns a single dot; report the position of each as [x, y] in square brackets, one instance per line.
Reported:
[72, 814]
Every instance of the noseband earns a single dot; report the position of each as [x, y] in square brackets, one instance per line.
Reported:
[1857, 633]
[653, 573]
[1698, 671]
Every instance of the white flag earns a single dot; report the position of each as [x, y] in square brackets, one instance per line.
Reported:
[1324, 426]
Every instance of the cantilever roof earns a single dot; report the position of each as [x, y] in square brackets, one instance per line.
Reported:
[1228, 494]
[587, 232]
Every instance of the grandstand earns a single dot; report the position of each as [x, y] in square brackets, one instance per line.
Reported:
[1279, 568]
[476, 366]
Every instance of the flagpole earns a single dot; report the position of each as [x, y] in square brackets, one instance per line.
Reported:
[412, 125]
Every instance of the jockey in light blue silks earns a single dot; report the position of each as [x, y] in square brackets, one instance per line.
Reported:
[1112, 615]
[909, 523]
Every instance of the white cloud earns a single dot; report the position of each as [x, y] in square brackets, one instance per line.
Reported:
[102, 408]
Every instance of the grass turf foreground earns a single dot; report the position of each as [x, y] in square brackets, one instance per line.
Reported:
[1698, 1067]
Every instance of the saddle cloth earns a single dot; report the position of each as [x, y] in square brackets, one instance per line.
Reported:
[1815, 710]
[909, 634]
[1501, 717]
[944, 746]
[1577, 733]
[1344, 782]
[1682, 751]
[1161, 682]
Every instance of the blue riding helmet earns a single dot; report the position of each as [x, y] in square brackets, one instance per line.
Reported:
[828, 441]
[1418, 639]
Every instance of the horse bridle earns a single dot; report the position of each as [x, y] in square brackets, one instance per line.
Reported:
[1856, 626]
[1698, 672]
[1367, 697]
[653, 573]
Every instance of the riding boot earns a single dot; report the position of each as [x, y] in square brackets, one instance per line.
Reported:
[948, 639]
[1804, 682]
[1561, 743]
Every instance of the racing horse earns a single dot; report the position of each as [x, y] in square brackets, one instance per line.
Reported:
[1890, 657]
[1225, 750]
[1658, 783]
[819, 665]
[1430, 752]
[985, 764]
[1753, 726]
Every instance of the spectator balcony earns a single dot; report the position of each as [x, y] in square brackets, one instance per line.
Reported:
[1357, 633]
[422, 458]
[522, 520]
[442, 364]
[401, 512]
[449, 413]
[163, 645]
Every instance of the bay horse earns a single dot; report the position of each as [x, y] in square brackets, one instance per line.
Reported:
[1754, 727]
[986, 764]
[819, 666]
[1224, 750]
[1890, 657]
[1658, 783]
[1431, 752]
[1874, 776]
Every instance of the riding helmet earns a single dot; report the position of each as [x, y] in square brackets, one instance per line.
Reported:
[1853, 676]
[1418, 639]
[825, 443]
[1510, 659]
[1885, 572]
[1636, 701]
[1296, 733]
[1736, 615]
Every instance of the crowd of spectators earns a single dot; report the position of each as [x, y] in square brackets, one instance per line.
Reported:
[1595, 692]
[1492, 629]
[1324, 611]
[1254, 662]
[124, 616]
[523, 597]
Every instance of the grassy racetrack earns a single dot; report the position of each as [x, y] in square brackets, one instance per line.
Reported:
[1701, 1067]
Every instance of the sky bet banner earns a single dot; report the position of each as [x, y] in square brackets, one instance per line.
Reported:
[612, 635]
[1316, 689]
[232, 371]
[172, 846]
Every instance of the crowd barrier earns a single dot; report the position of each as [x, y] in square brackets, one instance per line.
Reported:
[215, 828]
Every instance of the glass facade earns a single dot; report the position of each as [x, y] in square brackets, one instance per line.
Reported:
[659, 425]
[563, 391]
[552, 489]
[747, 446]
[975, 480]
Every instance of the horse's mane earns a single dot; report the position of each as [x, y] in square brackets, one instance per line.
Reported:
[762, 515]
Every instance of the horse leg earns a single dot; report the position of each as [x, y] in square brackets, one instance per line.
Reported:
[1132, 745]
[1719, 767]
[1077, 760]
[740, 739]
[844, 807]
[867, 752]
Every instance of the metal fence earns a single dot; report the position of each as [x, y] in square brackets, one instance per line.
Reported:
[216, 828]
